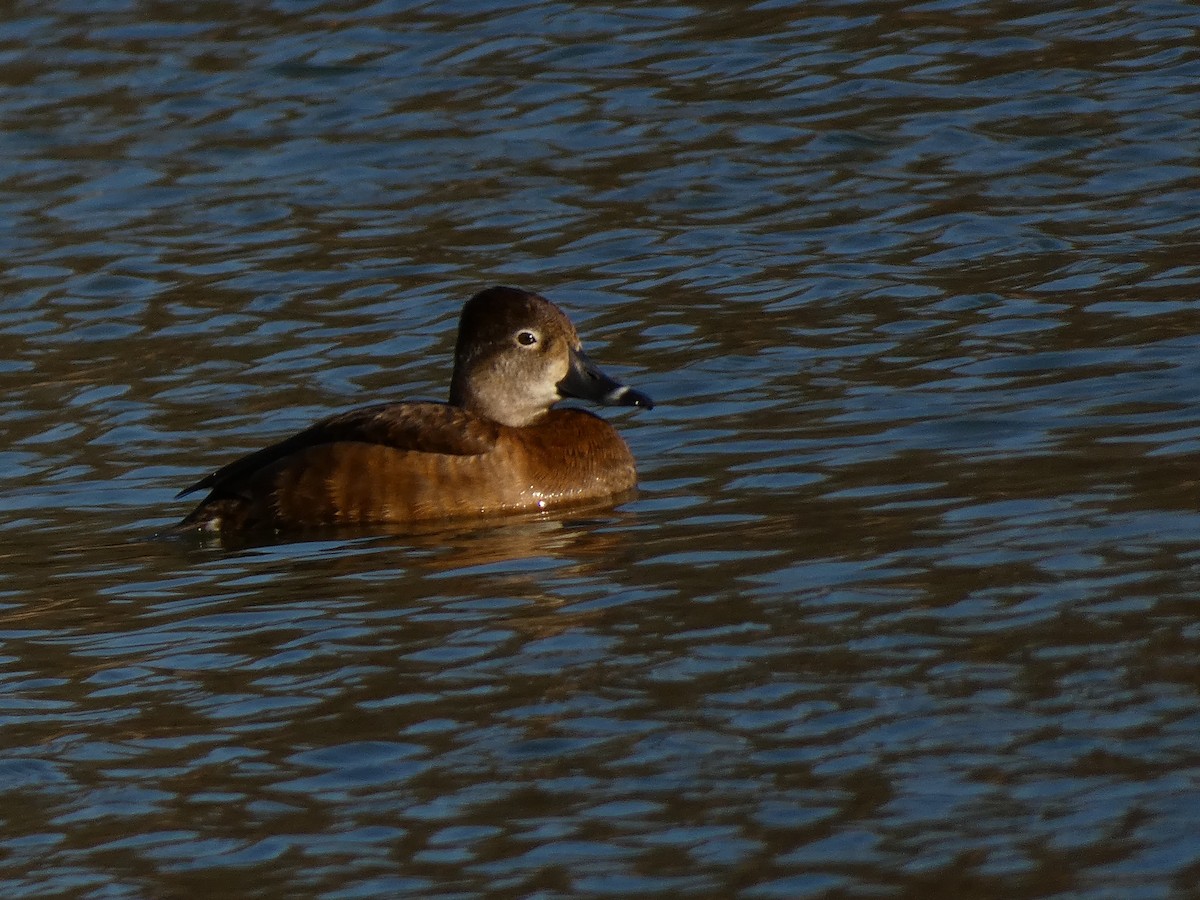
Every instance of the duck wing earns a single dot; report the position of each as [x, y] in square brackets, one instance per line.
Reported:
[418, 427]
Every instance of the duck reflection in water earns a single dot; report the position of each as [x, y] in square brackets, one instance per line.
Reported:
[498, 447]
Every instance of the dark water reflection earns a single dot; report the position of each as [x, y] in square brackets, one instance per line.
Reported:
[907, 601]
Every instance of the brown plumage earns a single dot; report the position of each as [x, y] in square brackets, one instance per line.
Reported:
[497, 446]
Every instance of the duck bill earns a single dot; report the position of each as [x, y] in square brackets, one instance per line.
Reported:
[585, 381]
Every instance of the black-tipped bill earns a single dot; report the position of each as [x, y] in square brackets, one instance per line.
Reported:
[585, 381]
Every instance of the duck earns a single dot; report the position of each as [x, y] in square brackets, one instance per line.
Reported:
[500, 445]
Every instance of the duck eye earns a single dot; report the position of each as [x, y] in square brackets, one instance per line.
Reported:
[526, 338]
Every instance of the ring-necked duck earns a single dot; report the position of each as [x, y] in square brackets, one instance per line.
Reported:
[496, 447]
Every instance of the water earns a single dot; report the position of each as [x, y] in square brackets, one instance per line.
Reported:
[906, 605]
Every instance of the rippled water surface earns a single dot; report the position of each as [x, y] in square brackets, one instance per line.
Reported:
[907, 604]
